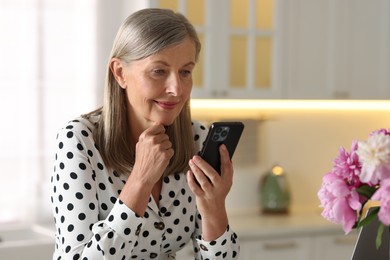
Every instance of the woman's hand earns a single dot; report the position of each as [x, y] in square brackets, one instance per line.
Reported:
[152, 154]
[211, 190]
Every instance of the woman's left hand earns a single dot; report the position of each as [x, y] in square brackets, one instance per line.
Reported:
[211, 190]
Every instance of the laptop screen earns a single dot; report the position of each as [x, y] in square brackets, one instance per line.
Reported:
[365, 248]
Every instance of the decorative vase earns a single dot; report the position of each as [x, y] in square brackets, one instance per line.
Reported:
[365, 247]
[274, 192]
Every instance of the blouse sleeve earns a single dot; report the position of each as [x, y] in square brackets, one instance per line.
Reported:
[80, 233]
[224, 247]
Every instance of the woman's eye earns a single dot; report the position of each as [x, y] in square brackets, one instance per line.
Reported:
[186, 72]
[158, 71]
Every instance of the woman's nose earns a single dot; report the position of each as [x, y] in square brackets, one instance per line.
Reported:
[174, 86]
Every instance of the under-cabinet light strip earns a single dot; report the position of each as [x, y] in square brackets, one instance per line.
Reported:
[290, 104]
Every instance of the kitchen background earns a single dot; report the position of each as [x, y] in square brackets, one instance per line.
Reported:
[309, 58]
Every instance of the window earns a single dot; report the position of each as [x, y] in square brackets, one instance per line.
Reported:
[47, 77]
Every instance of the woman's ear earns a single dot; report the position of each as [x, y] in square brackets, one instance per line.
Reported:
[117, 69]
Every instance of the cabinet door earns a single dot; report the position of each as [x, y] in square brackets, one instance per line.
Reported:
[241, 39]
[307, 48]
[330, 247]
[276, 249]
[338, 49]
[367, 49]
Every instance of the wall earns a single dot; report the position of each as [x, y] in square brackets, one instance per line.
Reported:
[305, 143]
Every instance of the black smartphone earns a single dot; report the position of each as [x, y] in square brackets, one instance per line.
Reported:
[227, 133]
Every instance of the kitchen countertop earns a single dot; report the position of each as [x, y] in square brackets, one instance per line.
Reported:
[253, 224]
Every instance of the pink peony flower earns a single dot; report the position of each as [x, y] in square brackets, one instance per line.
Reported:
[356, 177]
[383, 195]
[340, 201]
[374, 155]
[380, 131]
[347, 165]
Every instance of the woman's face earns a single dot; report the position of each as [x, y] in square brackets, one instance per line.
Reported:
[158, 86]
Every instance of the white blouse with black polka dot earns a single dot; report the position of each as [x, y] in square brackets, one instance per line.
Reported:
[92, 223]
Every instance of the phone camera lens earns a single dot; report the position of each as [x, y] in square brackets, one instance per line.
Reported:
[218, 130]
[215, 137]
[224, 133]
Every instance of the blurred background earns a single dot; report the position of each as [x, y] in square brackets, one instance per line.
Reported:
[53, 57]
[309, 75]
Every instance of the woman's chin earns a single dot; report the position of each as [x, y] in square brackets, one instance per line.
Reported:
[167, 123]
[164, 121]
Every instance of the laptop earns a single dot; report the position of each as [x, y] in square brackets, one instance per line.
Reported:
[365, 248]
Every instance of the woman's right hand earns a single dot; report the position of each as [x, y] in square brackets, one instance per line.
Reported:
[152, 154]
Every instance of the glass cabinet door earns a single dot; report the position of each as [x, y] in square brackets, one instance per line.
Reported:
[195, 11]
[250, 43]
[238, 45]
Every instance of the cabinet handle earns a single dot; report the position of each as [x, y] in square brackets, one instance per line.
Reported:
[224, 93]
[348, 240]
[340, 95]
[280, 246]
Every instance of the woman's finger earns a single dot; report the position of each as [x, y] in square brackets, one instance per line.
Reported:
[194, 184]
[201, 177]
[206, 169]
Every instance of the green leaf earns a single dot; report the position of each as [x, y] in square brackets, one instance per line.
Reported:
[378, 240]
[366, 191]
[370, 217]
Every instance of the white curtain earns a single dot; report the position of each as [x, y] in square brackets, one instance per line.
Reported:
[47, 77]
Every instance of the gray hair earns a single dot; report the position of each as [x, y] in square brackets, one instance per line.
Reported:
[148, 31]
[142, 34]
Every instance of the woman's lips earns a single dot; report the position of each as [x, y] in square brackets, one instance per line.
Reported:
[167, 105]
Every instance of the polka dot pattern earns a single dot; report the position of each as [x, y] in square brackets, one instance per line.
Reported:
[92, 223]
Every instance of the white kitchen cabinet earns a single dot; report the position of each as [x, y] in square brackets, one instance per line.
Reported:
[330, 247]
[338, 49]
[301, 49]
[298, 236]
[276, 249]
[319, 246]
[266, 49]
[241, 47]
